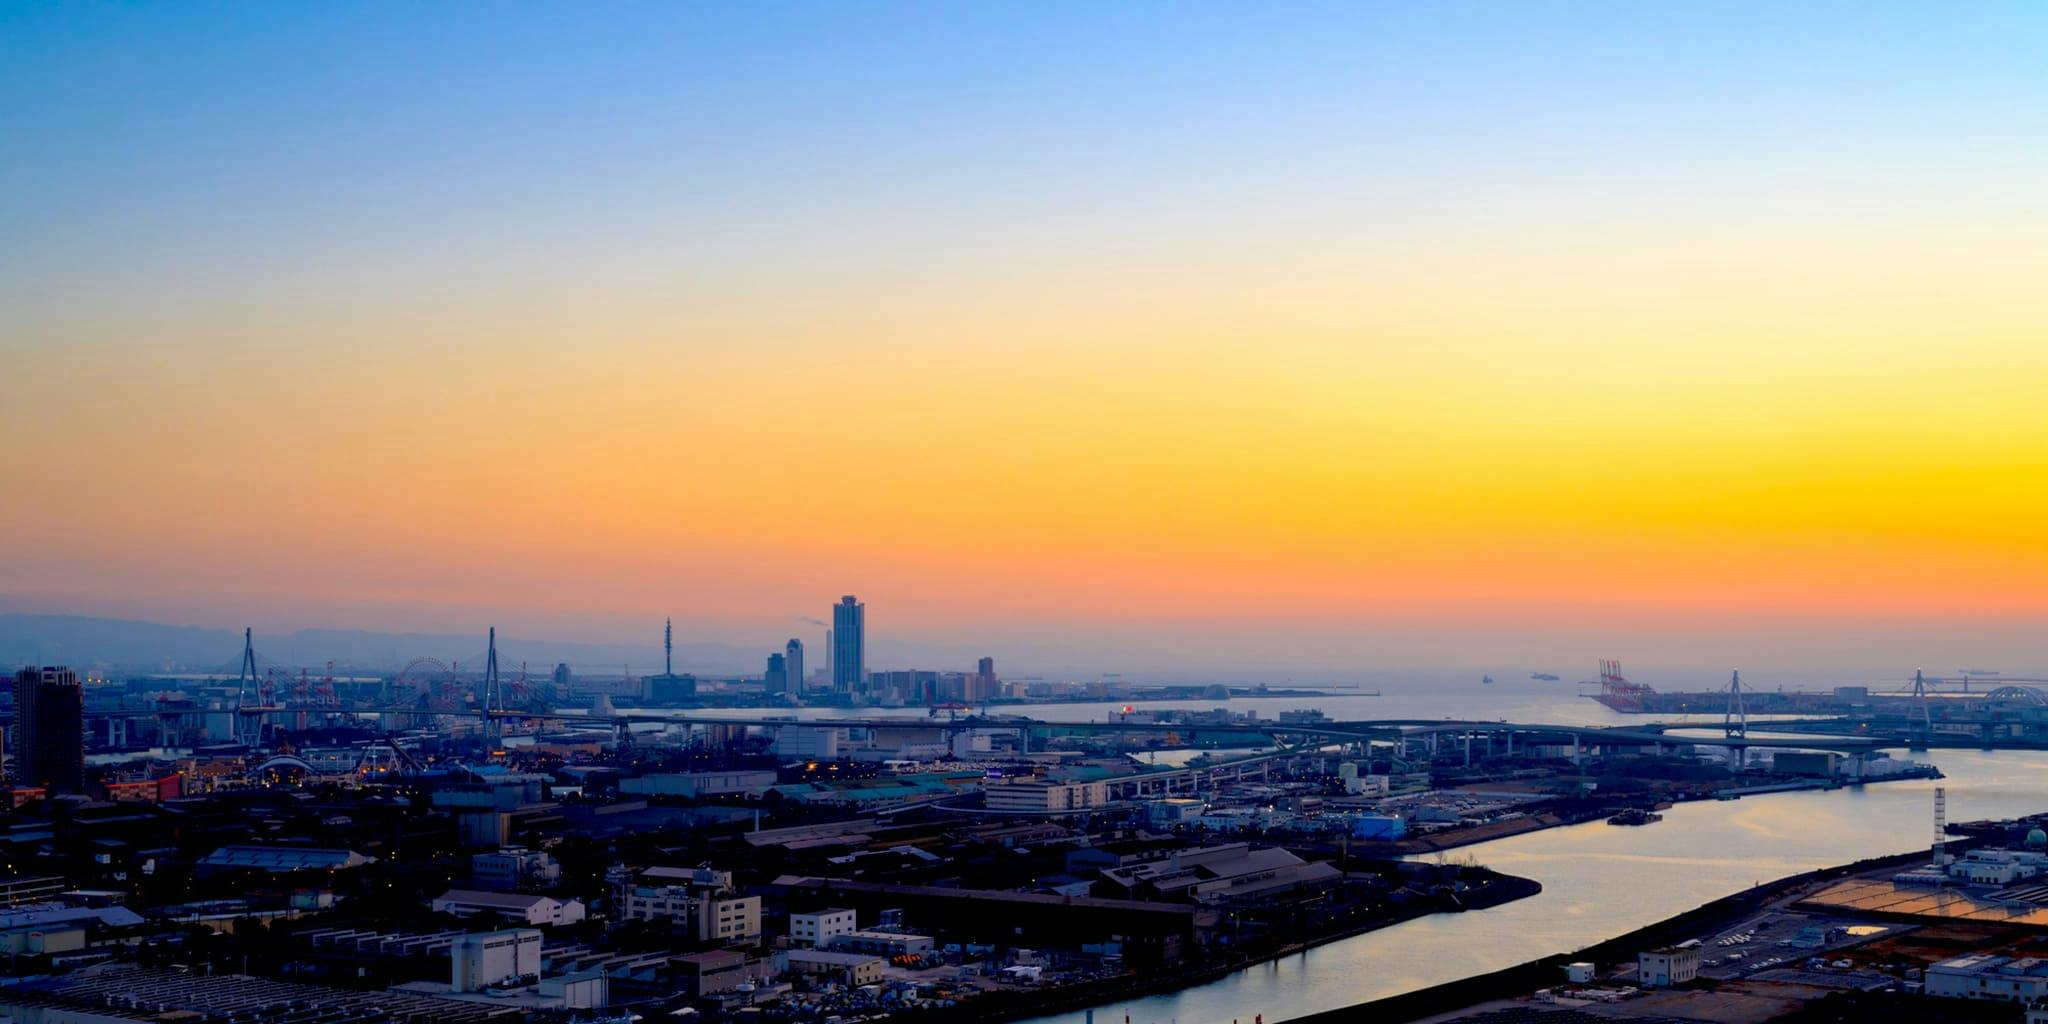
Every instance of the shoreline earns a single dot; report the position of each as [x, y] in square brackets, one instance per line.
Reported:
[1544, 820]
[1452, 995]
[1026, 1004]
[1524, 978]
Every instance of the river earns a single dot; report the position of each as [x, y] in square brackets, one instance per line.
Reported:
[1598, 880]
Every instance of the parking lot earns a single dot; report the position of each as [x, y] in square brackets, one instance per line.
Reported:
[1810, 944]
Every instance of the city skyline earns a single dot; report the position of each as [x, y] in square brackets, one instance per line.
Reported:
[1314, 468]
[1350, 334]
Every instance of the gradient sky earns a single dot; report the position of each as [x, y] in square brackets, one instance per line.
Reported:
[1316, 334]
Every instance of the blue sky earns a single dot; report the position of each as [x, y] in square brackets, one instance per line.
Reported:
[1103, 312]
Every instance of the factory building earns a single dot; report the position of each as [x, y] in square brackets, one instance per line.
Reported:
[515, 908]
[479, 960]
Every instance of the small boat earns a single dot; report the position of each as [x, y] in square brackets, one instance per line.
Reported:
[1486, 680]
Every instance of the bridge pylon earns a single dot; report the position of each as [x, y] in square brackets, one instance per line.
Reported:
[248, 725]
[1735, 722]
[1926, 723]
[494, 699]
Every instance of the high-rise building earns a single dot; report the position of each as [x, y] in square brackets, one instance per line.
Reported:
[982, 685]
[793, 663]
[51, 709]
[912, 686]
[849, 643]
[776, 679]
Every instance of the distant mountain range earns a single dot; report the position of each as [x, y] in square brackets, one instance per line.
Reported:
[82, 641]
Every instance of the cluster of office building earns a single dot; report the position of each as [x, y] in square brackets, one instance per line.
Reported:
[789, 676]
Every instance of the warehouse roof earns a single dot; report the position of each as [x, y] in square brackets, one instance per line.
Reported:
[284, 859]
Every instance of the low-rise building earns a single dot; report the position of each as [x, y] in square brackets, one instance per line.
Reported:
[1224, 872]
[698, 898]
[731, 919]
[819, 927]
[1173, 811]
[847, 968]
[699, 785]
[513, 908]
[1998, 867]
[700, 879]
[880, 793]
[514, 868]
[663, 892]
[34, 928]
[656, 903]
[1983, 976]
[279, 859]
[1149, 932]
[479, 960]
[720, 970]
[1042, 796]
[1662, 968]
[883, 943]
[807, 742]
[1122, 854]
[1229, 820]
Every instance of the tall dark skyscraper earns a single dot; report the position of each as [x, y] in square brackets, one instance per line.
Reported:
[51, 709]
[849, 644]
[776, 679]
[793, 663]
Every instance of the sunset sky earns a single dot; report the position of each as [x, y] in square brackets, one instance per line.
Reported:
[1291, 334]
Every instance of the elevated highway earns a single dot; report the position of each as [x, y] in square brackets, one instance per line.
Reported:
[1812, 733]
[1382, 730]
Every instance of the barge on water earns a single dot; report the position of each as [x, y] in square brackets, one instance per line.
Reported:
[1634, 816]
